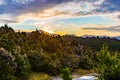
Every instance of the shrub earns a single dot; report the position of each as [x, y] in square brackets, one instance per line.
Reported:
[66, 74]
[108, 65]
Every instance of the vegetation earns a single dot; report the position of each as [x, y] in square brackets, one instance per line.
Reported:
[66, 74]
[94, 43]
[40, 52]
[39, 76]
[108, 65]
[13, 66]
[81, 71]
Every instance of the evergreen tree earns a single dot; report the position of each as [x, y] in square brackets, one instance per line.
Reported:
[66, 74]
[108, 65]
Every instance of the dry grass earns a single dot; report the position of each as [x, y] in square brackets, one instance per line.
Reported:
[39, 76]
[83, 71]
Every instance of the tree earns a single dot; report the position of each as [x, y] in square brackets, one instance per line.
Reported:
[7, 65]
[23, 65]
[13, 66]
[108, 65]
[66, 74]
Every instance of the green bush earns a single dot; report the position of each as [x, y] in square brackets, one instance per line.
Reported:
[108, 65]
[13, 66]
[66, 74]
[7, 65]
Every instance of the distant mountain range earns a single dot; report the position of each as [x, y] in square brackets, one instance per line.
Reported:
[90, 36]
[117, 37]
[84, 36]
[104, 36]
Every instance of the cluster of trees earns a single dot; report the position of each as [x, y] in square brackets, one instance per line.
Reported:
[95, 43]
[106, 64]
[13, 66]
[38, 51]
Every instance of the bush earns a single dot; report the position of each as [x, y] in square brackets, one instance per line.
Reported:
[7, 65]
[66, 74]
[13, 66]
[23, 66]
[108, 65]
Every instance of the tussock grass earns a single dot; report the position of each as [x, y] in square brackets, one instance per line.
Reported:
[83, 71]
[39, 76]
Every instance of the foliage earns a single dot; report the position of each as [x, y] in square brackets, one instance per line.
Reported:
[108, 65]
[95, 43]
[38, 51]
[23, 66]
[7, 65]
[66, 74]
[45, 52]
[13, 66]
[85, 59]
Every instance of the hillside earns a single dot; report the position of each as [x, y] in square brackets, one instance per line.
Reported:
[94, 43]
[22, 53]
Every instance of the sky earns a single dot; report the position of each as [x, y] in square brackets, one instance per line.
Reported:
[80, 17]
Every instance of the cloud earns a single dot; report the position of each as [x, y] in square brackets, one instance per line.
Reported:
[23, 1]
[27, 6]
[23, 10]
[51, 8]
[111, 5]
[111, 28]
[2, 2]
[75, 7]
[8, 21]
[66, 8]
[72, 8]
[7, 18]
